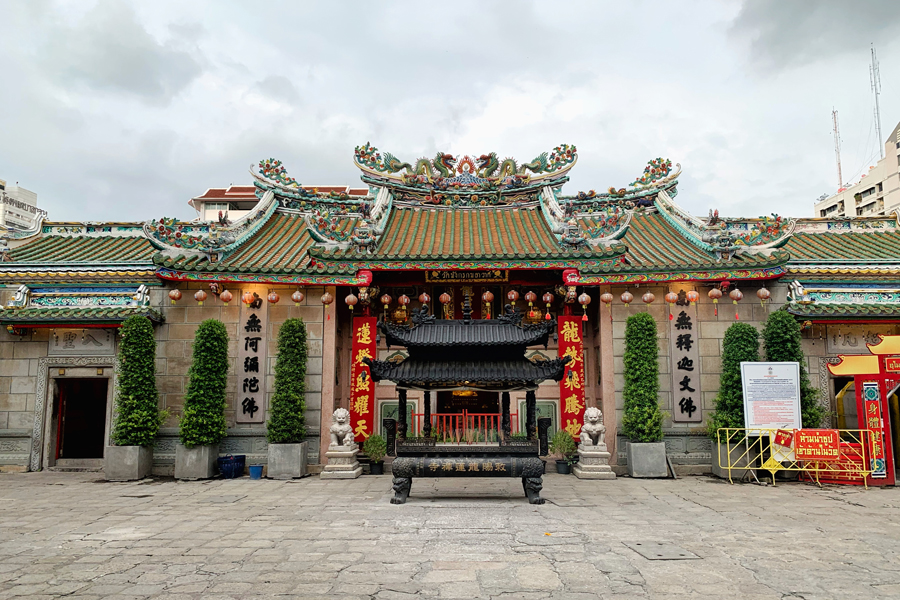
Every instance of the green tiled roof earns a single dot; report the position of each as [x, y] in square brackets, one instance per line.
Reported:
[840, 310]
[851, 246]
[278, 247]
[655, 245]
[98, 314]
[84, 249]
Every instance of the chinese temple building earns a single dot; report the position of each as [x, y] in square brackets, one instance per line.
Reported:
[450, 241]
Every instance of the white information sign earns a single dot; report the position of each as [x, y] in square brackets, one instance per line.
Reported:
[771, 395]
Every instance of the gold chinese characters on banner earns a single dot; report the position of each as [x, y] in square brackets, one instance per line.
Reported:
[571, 387]
[362, 388]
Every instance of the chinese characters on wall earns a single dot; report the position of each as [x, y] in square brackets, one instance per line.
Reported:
[251, 367]
[684, 354]
[362, 388]
[571, 387]
[82, 342]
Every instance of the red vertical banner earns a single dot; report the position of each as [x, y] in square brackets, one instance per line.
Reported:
[571, 387]
[362, 388]
[875, 424]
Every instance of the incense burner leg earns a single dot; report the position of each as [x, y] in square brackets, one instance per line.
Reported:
[533, 487]
[402, 485]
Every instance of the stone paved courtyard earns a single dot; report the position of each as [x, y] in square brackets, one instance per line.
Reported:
[73, 535]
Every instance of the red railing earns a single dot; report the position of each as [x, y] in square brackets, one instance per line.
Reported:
[464, 427]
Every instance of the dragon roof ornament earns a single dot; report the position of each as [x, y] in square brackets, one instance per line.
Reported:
[446, 172]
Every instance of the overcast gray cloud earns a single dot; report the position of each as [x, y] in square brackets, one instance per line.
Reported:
[125, 110]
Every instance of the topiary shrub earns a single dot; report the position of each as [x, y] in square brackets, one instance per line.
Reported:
[741, 344]
[286, 421]
[643, 419]
[203, 418]
[781, 340]
[137, 413]
[375, 448]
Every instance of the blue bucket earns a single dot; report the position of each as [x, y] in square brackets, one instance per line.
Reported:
[256, 471]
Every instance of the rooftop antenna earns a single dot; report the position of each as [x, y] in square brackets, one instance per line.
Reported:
[837, 147]
[875, 80]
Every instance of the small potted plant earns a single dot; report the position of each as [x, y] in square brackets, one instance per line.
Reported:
[563, 446]
[375, 448]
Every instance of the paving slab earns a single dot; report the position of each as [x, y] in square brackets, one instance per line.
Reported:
[73, 535]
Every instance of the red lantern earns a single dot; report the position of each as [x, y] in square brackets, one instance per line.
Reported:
[648, 298]
[386, 299]
[584, 300]
[487, 297]
[327, 298]
[200, 296]
[530, 297]
[226, 297]
[693, 296]
[671, 298]
[297, 297]
[736, 296]
[403, 300]
[512, 296]
[424, 298]
[247, 298]
[273, 298]
[175, 296]
[548, 300]
[714, 295]
[763, 294]
[627, 297]
[445, 298]
[606, 298]
[351, 301]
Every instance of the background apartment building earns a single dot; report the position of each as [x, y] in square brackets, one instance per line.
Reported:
[18, 206]
[876, 193]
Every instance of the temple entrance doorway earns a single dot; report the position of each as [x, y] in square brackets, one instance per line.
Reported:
[472, 401]
[79, 418]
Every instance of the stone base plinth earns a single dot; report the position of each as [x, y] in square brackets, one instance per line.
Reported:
[342, 463]
[593, 463]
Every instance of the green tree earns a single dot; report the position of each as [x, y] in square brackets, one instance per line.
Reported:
[137, 413]
[643, 419]
[741, 344]
[286, 420]
[781, 340]
[203, 419]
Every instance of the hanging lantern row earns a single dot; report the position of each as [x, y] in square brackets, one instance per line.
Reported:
[584, 300]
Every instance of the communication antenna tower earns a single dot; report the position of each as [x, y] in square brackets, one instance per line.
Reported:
[837, 147]
[875, 80]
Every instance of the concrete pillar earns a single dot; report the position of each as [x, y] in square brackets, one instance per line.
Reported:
[329, 345]
[607, 383]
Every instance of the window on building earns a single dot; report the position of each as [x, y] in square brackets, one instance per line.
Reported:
[223, 206]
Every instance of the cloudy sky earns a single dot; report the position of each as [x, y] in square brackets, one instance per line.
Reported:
[125, 110]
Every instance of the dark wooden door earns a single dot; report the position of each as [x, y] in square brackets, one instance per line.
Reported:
[82, 417]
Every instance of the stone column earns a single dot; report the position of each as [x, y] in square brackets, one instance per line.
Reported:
[504, 409]
[530, 414]
[426, 427]
[401, 418]
[607, 401]
[329, 350]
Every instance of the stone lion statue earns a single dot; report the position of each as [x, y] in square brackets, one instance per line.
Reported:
[593, 432]
[341, 431]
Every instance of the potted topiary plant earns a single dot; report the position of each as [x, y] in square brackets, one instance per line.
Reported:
[286, 427]
[203, 417]
[137, 413]
[642, 422]
[375, 448]
[740, 344]
[564, 446]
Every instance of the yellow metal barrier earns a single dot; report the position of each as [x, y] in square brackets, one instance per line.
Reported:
[750, 450]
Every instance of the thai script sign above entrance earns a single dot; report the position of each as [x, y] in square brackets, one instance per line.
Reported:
[571, 387]
[362, 388]
[471, 276]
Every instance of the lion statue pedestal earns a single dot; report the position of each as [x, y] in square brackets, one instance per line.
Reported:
[342, 451]
[593, 457]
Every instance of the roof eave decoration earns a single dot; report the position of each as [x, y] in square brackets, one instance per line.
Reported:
[350, 277]
[207, 238]
[446, 172]
[37, 306]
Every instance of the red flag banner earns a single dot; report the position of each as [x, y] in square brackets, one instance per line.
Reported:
[571, 387]
[362, 388]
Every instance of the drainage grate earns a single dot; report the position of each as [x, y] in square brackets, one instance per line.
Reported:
[661, 551]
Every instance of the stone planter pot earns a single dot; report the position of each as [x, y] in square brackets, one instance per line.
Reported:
[740, 457]
[127, 463]
[287, 461]
[198, 462]
[647, 459]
